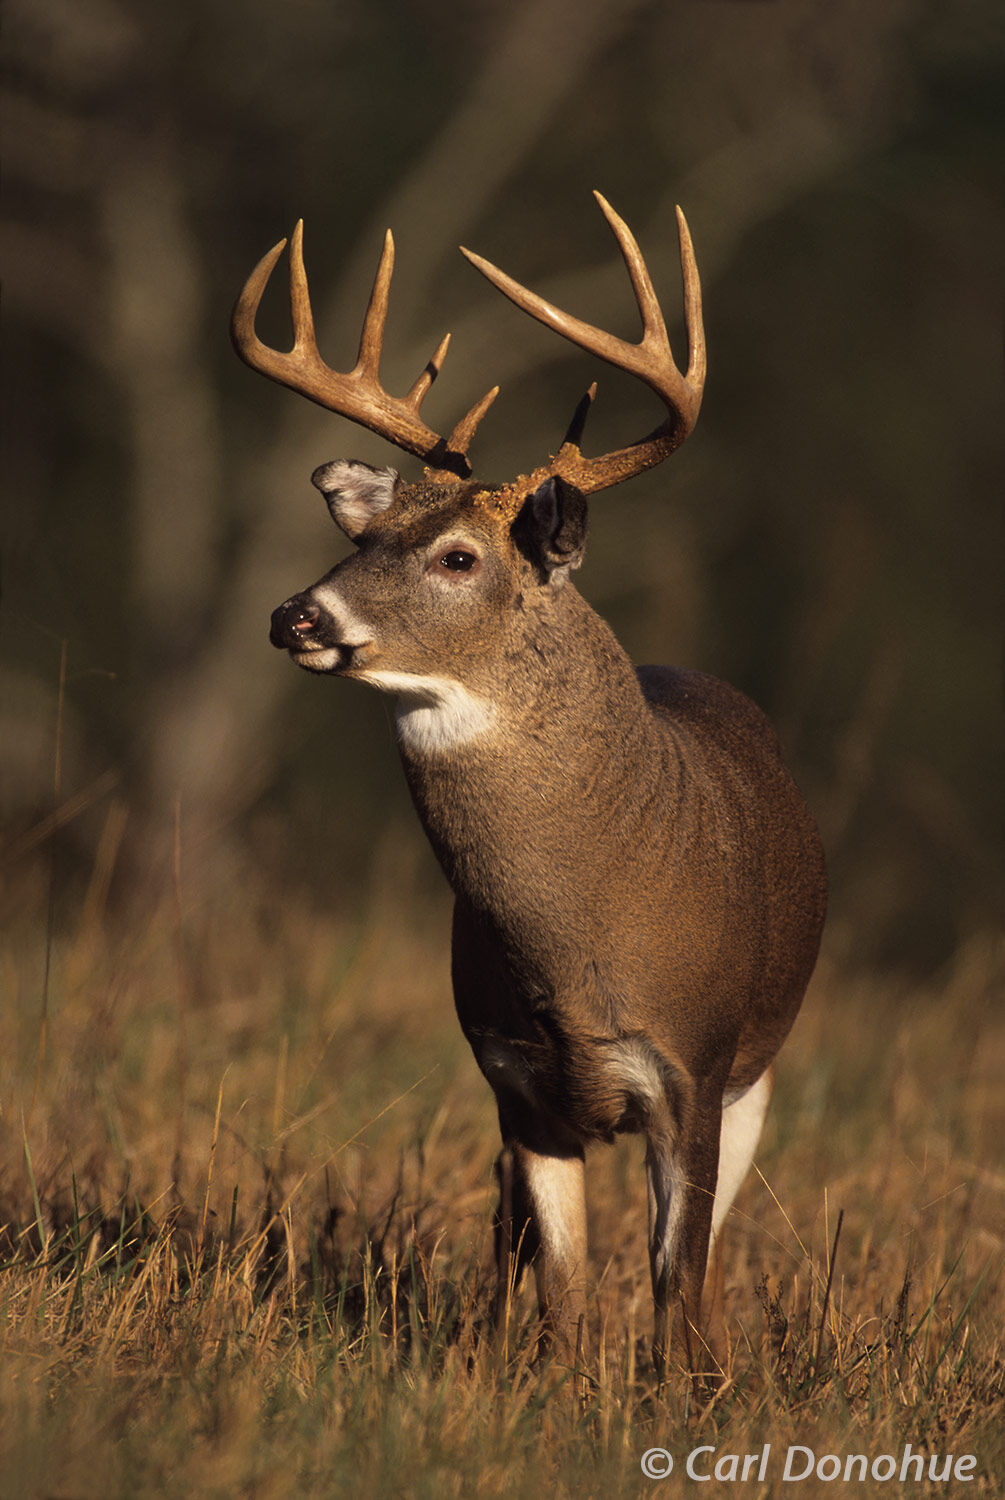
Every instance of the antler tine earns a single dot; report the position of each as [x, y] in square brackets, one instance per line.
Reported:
[304, 338]
[651, 360]
[242, 320]
[417, 394]
[654, 329]
[371, 341]
[574, 432]
[697, 357]
[462, 434]
[358, 394]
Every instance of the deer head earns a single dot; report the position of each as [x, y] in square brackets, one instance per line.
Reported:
[451, 553]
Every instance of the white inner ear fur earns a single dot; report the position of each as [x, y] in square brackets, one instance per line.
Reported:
[355, 492]
[545, 503]
[434, 714]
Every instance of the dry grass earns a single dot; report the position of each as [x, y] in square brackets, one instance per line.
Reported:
[246, 1197]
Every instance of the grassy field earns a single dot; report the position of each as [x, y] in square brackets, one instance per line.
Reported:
[246, 1202]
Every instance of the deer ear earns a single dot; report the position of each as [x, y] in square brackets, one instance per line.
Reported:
[355, 492]
[551, 528]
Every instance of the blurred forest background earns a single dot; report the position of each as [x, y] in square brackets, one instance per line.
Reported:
[828, 540]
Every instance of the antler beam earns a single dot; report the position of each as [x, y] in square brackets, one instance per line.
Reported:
[358, 394]
[650, 360]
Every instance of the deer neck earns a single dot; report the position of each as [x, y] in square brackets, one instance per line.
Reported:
[543, 787]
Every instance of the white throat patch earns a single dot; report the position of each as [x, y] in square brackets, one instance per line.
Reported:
[434, 714]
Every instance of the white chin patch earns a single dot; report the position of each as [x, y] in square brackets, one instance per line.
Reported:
[435, 714]
[318, 661]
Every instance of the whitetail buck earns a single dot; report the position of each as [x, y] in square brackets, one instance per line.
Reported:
[639, 886]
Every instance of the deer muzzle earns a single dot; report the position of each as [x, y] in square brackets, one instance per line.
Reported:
[316, 636]
[296, 625]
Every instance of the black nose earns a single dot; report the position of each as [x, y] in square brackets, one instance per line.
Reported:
[293, 623]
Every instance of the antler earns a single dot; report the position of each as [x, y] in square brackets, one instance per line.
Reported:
[650, 359]
[358, 394]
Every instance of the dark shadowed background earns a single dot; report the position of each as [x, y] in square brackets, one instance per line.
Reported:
[828, 539]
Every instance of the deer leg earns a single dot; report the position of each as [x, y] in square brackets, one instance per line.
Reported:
[681, 1171]
[742, 1122]
[516, 1240]
[542, 1220]
[557, 1193]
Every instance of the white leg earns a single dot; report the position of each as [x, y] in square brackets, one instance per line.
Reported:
[542, 1221]
[555, 1187]
[741, 1130]
[738, 1136]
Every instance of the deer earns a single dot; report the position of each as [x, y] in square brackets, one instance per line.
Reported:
[639, 887]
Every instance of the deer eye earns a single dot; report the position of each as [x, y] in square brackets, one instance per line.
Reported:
[456, 561]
